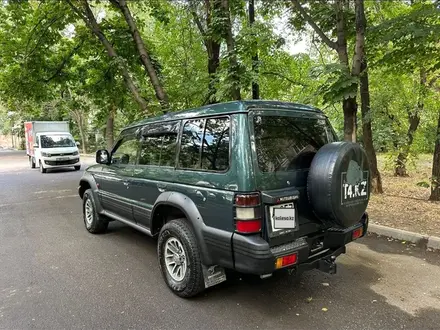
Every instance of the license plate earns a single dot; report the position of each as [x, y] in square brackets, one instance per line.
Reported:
[283, 217]
[60, 158]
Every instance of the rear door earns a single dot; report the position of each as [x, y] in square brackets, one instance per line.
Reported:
[284, 144]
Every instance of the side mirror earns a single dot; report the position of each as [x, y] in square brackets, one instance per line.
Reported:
[77, 144]
[103, 157]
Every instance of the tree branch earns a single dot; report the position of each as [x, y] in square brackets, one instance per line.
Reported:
[312, 23]
[78, 12]
[64, 62]
[199, 24]
[297, 83]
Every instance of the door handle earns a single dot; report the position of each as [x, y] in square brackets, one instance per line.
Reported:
[126, 183]
[161, 187]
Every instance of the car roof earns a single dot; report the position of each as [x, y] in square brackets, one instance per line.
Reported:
[226, 108]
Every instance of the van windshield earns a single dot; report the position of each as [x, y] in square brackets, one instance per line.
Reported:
[286, 143]
[57, 141]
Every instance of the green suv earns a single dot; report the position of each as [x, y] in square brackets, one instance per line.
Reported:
[248, 186]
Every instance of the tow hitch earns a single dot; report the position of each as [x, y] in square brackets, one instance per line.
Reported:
[328, 265]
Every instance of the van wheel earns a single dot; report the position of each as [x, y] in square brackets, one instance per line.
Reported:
[42, 169]
[94, 223]
[179, 259]
[32, 162]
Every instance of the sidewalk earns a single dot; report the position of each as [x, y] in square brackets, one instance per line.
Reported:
[427, 242]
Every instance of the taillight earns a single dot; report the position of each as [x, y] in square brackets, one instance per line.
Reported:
[357, 233]
[248, 213]
[288, 260]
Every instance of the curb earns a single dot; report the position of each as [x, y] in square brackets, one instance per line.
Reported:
[429, 242]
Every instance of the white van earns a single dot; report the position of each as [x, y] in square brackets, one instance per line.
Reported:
[50, 145]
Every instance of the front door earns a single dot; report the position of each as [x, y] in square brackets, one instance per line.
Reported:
[116, 178]
[155, 169]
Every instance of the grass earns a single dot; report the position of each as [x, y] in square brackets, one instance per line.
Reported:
[404, 203]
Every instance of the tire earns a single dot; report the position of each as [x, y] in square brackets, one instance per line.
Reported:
[77, 168]
[192, 281]
[94, 223]
[42, 169]
[31, 162]
[338, 184]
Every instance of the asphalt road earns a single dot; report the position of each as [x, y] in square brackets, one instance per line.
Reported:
[55, 275]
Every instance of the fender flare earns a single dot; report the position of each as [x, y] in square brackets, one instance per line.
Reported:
[88, 179]
[192, 214]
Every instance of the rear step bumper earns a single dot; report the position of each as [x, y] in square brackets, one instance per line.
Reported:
[253, 255]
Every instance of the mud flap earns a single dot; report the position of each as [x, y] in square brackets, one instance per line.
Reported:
[213, 275]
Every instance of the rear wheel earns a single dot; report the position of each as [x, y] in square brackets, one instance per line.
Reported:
[31, 162]
[94, 222]
[42, 169]
[179, 259]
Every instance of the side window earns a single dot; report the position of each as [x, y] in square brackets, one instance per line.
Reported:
[159, 145]
[215, 151]
[126, 152]
[189, 156]
[150, 151]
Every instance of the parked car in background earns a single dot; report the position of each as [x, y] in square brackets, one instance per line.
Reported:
[50, 145]
[251, 186]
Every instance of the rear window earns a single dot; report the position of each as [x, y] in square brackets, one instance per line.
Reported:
[289, 143]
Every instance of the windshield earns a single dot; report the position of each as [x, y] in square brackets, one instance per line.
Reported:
[286, 143]
[56, 141]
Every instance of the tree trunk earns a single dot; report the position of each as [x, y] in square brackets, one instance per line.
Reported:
[255, 86]
[109, 129]
[367, 132]
[435, 185]
[83, 138]
[145, 57]
[414, 121]
[79, 118]
[93, 25]
[349, 106]
[233, 64]
[213, 49]
[212, 45]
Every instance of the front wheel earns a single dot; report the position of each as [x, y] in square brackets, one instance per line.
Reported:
[94, 222]
[42, 169]
[179, 259]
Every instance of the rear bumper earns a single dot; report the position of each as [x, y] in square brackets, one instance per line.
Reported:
[253, 255]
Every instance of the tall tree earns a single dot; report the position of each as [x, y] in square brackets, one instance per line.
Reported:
[234, 69]
[339, 45]
[255, 86]
[356, 72]
[435, 179]
[406, 40]
[211, 40]
[144, 54]
[85, 13]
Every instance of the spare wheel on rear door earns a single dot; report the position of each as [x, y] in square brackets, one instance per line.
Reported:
[338, 184]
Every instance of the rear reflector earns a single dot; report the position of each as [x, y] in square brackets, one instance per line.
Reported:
[288, 260]
[248, 226]
[358, 233]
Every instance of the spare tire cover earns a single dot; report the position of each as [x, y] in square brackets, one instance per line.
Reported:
[338, 185]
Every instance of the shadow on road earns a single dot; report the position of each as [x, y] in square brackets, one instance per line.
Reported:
[283, 297]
